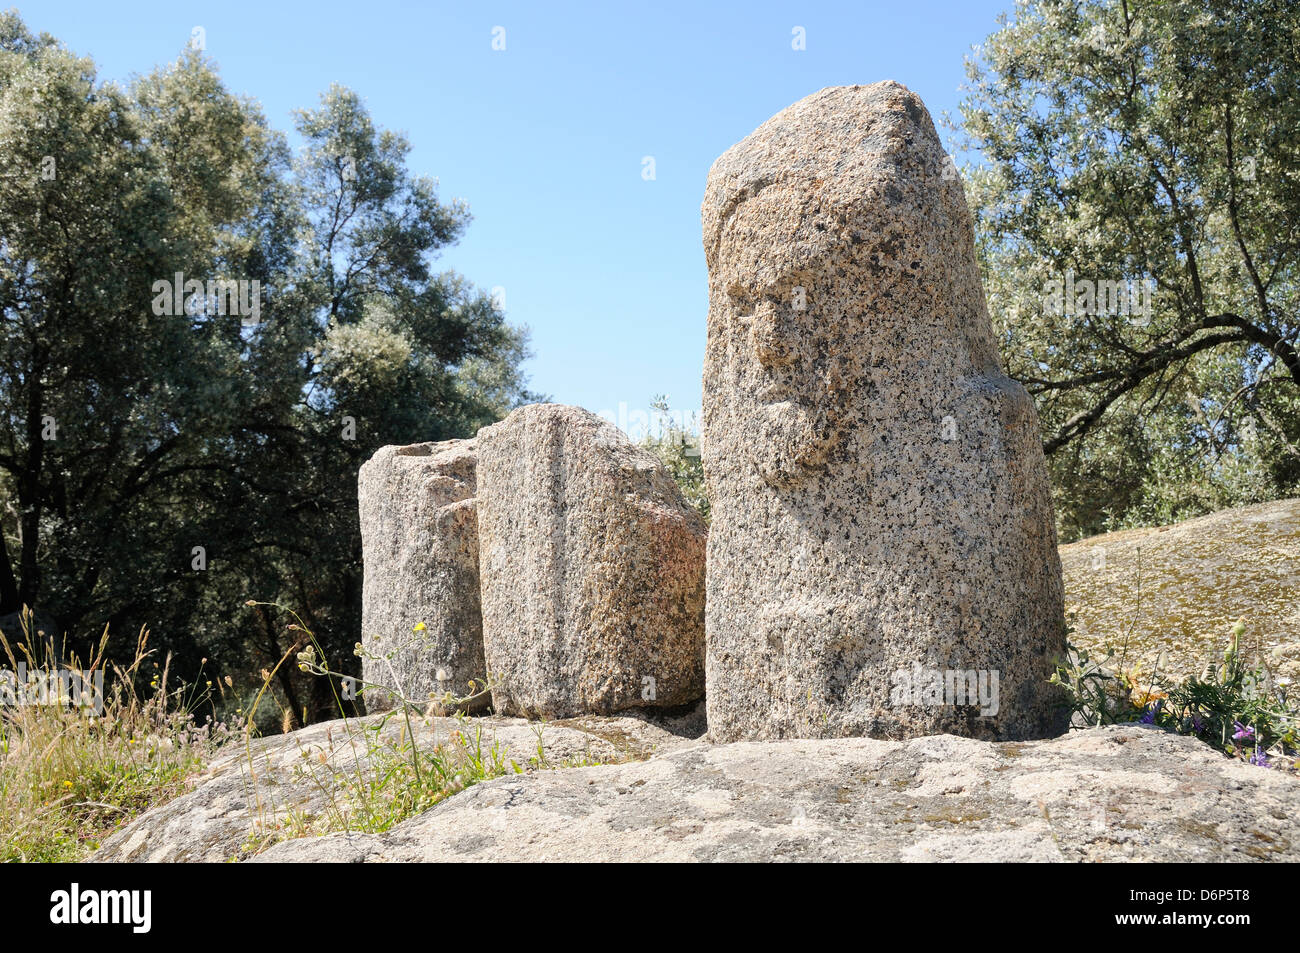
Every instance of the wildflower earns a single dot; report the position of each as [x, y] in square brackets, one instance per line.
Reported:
[1149, 716]
[1259, 758]
[1243, 732]
[1143, 697]
[419, 627]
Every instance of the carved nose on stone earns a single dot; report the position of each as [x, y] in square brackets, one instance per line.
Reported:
[772, 334]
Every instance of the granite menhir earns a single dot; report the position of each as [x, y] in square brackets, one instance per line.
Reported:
[882, 557]
[419, 539]
[592, 569]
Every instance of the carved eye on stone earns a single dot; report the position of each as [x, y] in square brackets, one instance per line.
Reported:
[743, 303]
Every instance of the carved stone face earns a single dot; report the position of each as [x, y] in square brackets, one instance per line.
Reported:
[879, 537]
[787, 346]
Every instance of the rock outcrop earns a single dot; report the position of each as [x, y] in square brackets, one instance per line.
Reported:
[882, 556]
[592, 569]
[1176, 591]
[1129, 793]
[244, 798]
[419, 534]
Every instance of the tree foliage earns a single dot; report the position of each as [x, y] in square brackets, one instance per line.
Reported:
[1154, 143]
[160, 469]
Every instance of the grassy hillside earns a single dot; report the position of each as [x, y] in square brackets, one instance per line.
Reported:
[1180, 588]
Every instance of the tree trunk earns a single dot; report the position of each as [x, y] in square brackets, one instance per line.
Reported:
[29, 495]
[9, 599]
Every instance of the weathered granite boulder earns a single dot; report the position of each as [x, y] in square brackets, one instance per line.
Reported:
[882, 550]
[1129, 793]
[592, 569]
[243, 799]
[419, 536]
[39, 630]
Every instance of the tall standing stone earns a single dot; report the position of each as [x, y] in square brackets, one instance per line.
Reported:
[882, 540]
[419, 538]
[592, 569]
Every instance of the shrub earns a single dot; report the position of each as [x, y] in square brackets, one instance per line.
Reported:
[678, 447]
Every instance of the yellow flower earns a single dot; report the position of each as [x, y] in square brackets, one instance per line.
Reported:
[1143, 697]
[67, 784]
[419, 627]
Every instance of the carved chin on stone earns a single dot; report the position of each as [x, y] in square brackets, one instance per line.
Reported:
[791, 441]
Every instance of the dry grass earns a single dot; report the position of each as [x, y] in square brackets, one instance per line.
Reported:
[68, 776]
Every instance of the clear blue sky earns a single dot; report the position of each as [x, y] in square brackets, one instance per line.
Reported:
[546, 138]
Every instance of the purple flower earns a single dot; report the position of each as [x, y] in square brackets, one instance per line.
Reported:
[1149, 716]
[1259, 758]
[1197, 725]
[1243, 732]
